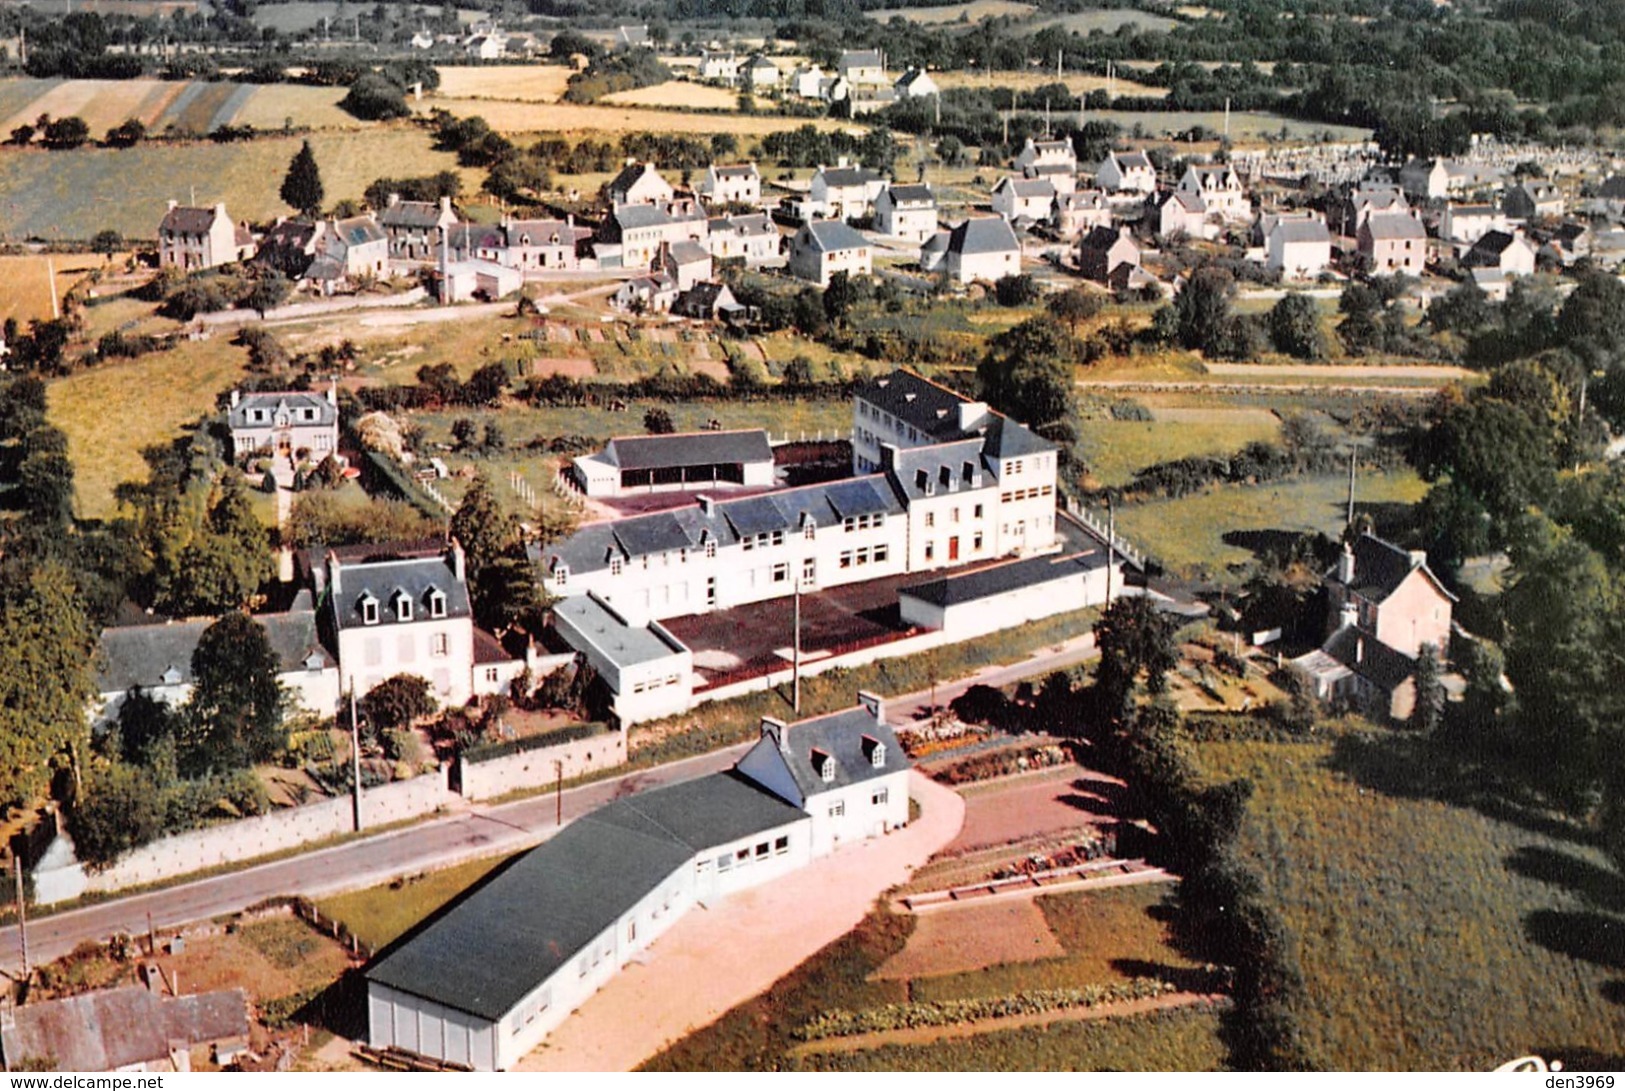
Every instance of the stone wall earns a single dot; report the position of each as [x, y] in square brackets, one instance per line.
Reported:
[536, 768]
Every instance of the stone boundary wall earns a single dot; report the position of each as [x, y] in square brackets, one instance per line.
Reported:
[536, 769]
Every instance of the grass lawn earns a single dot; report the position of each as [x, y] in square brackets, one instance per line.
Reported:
[1115, 450]
[112, 411]
[1430, 935]
[74, 194]
[1187, 534]
[1109, 935]
[381, 914]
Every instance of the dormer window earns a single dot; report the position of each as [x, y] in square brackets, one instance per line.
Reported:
[369, 609]
[437, 603]
[876, 750]
[403, 606]
[172, 676]
[825, 765]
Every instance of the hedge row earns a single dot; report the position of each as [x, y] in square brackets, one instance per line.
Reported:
[492, 750]
[1001, 763]
[940, 1013]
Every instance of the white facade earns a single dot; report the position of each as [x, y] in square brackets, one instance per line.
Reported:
[739, 185]
[1220, 189]
[1298, 249]
[649, 671]
[820, 250]
[1048, 586]
[284, 423]
[1016, 197]
[906, 212]
[1128, 173]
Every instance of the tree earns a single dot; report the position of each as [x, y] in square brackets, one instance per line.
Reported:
[302, 186]
[840, 297]
[107, 242]
[236, 707]
[658, 422]
[482, 527]
[118, 811]
[143, 722]
[396, 702]
[65, 133]
[270, 289]
[45, 676]
[126, 135]
[375, 98]
[464, 431]
[1295, 327]
[495, 440]
[1135, 639]
[1015, 290]
[1073, 306]
[1428, 712]
[1203, 308]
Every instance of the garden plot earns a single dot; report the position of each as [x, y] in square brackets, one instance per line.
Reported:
[972, 937]
[1011, 808]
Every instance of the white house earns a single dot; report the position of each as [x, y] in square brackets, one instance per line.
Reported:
[739, 184]
[1220, 189]
[488, 980]
[1047, 153]
[1178, 212]
[753, 238]
[825, 247]
[906, 212]
[415, 228]
[762, 74]
[1533, 201]
[639, 184]
[1131, 172]
[201, 238]
[862, 67]
[1466, 224]
[629, 465]
[1510, 253]
[971, 604]
[843, 192]
[632, 235]
[808, 81]
[983, 248]
[486, 47]
[1395, 242]
[720, 67]
[284, 422]
[1298, 249]
[915, 83]
[1017, 198]
[649, 672]
[348, 249]
[1077, 212]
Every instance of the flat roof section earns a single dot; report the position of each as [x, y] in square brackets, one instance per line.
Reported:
[986, 583]
[622, 644]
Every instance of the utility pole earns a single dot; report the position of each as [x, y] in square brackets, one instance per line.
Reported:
[558, 792]
[22, 915]
[1111, 545]
[355, 760]
[1351, 489]
[795, 654]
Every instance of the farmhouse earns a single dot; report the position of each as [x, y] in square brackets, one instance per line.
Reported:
[201, 238]
[1047, 153]
[971, 604]
[982, 248]
[1533, 201]
[639, 184]
[1298, 249]
[1078, 212]
[1395, 242]
[915, 83]
[652, 294]
[720, 66]
[762, 74]
[632, 235]
[1469, 223]
[752, 237]
[686, 263]
[843, 192]
[1130, 172]
[525, 245]
[906, 212]
[567, 916]
[740, 184]
[288, 247]
[820, 250]
[1017, 198]
[1220, 190]
[1367, 199]
[1509, 253]
[284, 422]
[862, 67]
[1177, 212]
[808, 81]
[346, 250]
[693, 460]
[1106, 249]
[415, 228]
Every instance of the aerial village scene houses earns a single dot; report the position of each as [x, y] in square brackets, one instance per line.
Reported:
[908, 540]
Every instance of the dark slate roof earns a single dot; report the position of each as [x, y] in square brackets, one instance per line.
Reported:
[358, 230]
[1133, 160]
[1100, 238]
[983, 235]
[472, 237]
[629, 176]
[846, 736]
[931, 408]
[411, 214]
[275, 400]
[542, 232]
[590, 548]
[842, 177]
[756, 223]
[1489, 248]
[688, 253]
[832, 235]
[704, 300]
[382, 579]
[140, 655]
[940, 468]
[185, 220]
[688, 449]
[1302, 231]
[1394, 225]
[860, 58]
[1006, 438]
[741, 170]
[1365, 655]
[1001, 579]
[1380, 567]
[915, 193]
[498, 944]
[1027, 187]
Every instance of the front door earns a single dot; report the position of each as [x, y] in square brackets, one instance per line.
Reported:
[953, 549]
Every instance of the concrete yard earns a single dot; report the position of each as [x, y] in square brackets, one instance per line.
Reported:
[700, 969]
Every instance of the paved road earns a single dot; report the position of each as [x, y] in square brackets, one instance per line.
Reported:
[469, 832]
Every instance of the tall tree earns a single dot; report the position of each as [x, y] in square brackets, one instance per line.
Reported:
[302, 186]
[237, 703]
[1428, 712]
[45, 677]
[1135, 639]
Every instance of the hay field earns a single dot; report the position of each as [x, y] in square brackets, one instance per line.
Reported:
[154, 395]
[1108, 22]
[1078, 83]
[72, 195]
[27, 291]
[972, 13]
[304, 15]
[195, 106]
[680, 93]
[277, 105]
[513, 82]
[596, 121]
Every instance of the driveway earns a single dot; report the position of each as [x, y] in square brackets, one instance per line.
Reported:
[721, 956]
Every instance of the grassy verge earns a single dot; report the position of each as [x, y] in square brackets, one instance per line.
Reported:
[1431, 935]
[381, 914]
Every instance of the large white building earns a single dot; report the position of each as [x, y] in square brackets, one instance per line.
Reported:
[487, 981]
[284, 422]
[649, 673]
[629, 465]
[942, 480]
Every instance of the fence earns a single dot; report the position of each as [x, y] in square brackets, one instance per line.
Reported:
[1097, 526]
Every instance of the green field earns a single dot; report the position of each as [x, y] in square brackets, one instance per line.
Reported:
[73, 195]
[111, 412]
[1430, 935]
[1187, 534]
[1163, 124]
[1115, 450]
[1108, 21]
[381, 914]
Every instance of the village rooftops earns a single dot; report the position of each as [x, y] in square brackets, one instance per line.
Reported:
[382, 592]
[985, 583]
[688, 449]
[983, 235]
[621, 643]
[147, 656]
[1027, 187]
[738, 170]
[1132, 160]
[830, 236]
[556, 899]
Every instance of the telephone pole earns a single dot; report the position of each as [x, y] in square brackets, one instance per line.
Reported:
[355, 760]
[1351, 489]
[795, 654]
[1111, 545]
[22, 914]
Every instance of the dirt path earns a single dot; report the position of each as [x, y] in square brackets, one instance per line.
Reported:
[700, 969]
[924, 1035]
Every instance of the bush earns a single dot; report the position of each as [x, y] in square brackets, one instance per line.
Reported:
[939, 1013]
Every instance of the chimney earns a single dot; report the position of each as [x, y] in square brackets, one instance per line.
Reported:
[173, 205]
[1345, 565]
[971, 414]
[1359, 649]
[1348, 614]
[445, 205]
[333, 567]
[775, 730]
[1419, 557]
[395, 199]
[459, 566]
[874, 704]
[333, 390]
[220, 211]
[236, 396]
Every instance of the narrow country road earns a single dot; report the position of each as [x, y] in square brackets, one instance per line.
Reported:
[470, 832]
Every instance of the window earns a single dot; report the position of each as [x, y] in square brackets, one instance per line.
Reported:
[930, 550]
[778, 537]
[724, 862]
[809, 570]
[491, 674]
[954, 517]
[632, 930]
[930, 519]
[742, 856]
[826, 769]
[403, 607]
[710, 549]
[881, 553]
[838, 809]
[440, 644]
[877, 755]
[747, 543]
[781, 572]
[761, 851]
[781, 846]
[614, 566]
[369, 610]
[880, 798]
[846, 559]
[976, 541]
[809, 531]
